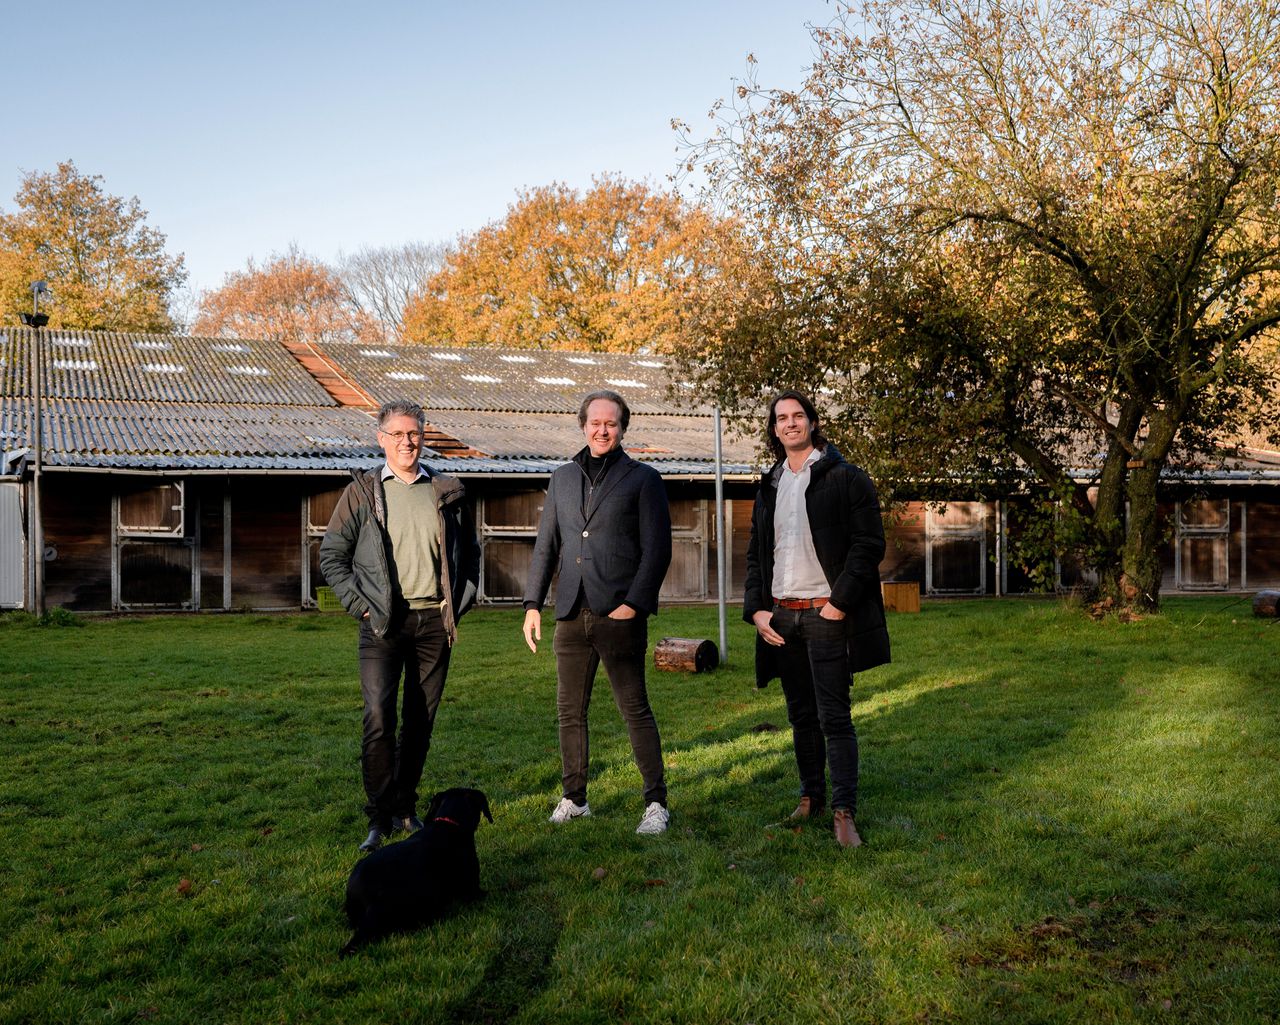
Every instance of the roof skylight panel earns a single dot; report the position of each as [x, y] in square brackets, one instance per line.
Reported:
[623, 382]
[481, 379]
[517, 359]
[452, 357]
[405, 375]
[75, 364]
[555, 380]
[249, 371]
[377, 354]
[164, 368]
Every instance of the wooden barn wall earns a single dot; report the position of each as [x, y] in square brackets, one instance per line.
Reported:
[77, 525]
[1263, 531]
[904, 550]
[266, 542]
[508, 516]
[209, 508]
[1237, 548]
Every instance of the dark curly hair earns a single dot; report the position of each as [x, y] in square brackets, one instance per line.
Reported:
[810, 411]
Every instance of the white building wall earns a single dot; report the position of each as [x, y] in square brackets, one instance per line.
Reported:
[12, 561]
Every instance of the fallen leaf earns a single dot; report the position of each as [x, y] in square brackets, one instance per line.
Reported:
[267, 830]
[600, 873]
[184, 886]
[798, 880]
[197, 846]
[655, 882]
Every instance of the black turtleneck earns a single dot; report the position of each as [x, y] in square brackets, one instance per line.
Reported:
[596, 465]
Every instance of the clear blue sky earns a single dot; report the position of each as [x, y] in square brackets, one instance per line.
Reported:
[243, 127]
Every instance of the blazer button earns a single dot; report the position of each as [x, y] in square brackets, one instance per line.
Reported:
[586, 533]
[579, 560]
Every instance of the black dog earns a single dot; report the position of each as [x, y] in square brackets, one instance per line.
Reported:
[413, 882]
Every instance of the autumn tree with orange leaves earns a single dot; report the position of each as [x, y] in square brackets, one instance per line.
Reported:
[105, 267]
[292, 296]
[1025, 245]
[612, 269]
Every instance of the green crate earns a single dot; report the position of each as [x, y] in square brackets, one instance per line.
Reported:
[327, 601]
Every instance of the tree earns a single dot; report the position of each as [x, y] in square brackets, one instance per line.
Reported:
[1017, 240]
[105, 267]
[292, 296]
[382, 282]
[611, 269]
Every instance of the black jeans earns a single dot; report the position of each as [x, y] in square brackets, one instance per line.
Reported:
[581, 644]
[815, 681]
[417, 645]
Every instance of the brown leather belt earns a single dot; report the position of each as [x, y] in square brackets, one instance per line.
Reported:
[800, 603]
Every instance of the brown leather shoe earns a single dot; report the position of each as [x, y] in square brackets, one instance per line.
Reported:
[808, 808]
[846, 831]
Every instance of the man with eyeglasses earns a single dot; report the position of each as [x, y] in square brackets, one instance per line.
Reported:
[401, 555]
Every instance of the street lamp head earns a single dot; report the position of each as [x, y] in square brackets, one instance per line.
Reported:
[38, 288]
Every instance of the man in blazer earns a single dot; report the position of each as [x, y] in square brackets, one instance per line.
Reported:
[606, 526]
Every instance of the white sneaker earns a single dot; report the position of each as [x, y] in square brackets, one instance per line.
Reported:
[567, 810]
[655, 820]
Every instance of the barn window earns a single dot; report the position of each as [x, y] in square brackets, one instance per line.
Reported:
[152, 511]
[956, 548]
[1200, 560]
[508, 528]
[154, 563]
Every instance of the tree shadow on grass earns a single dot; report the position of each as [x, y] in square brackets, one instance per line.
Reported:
[520, 966]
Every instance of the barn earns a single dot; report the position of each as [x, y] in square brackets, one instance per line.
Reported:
[185, 473]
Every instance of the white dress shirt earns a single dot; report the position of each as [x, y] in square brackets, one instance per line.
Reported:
[796, 570]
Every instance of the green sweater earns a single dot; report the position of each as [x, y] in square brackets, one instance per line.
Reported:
[413, 525]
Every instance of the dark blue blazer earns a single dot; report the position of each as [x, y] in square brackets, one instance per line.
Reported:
[613, 541]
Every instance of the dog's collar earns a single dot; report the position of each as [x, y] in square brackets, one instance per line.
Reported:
[444, 818]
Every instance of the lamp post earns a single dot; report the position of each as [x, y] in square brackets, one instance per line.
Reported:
[36, 320]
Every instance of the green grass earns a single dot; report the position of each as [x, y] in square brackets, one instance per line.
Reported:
[1065, 821]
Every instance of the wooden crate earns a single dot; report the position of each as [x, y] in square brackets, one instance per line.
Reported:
[327, 601]
[900, 596]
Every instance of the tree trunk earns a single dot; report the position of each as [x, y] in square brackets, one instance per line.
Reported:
[1139, 583]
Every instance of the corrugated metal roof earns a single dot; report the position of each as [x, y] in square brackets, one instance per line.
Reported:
[511, 380]
[159, 368]
[654, 437]
[91, 432]
[142, 401]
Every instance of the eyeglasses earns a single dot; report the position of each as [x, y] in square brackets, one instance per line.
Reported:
[398, 436]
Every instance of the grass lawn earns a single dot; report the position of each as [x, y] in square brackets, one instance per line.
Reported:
[1065, 821]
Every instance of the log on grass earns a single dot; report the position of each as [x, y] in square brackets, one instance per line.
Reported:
[1264, 603]
[685, 655]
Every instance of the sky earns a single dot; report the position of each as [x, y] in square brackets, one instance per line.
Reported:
[245, 127]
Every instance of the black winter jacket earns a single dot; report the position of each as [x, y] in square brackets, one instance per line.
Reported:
[848, 537]
[354, 552]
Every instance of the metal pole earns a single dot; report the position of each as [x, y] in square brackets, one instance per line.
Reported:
[37, 518]
[721, 563]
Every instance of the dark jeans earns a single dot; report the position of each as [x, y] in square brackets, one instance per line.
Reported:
[815, 681]
[581, 644]
[417, 645]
